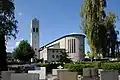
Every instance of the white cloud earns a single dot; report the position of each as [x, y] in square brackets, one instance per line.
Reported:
[18, 42]
[11, 46]
[20, 14]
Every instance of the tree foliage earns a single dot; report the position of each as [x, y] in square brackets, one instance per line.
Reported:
[8, 28]
[99, 27]
[24, 51]
[64, 58]
[89, 54]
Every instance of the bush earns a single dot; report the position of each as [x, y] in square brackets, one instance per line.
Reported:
[43, 65]
[96, 64]
[77, 67]
[111, 66]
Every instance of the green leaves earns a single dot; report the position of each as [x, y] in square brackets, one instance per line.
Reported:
[8, 28]
[64, 58]
[96, 25]
[8, 24]
[78, 67]
[24, 51]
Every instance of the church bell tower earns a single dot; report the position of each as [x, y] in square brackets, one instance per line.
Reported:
[34, 36]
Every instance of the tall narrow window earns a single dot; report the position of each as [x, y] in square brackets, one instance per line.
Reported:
[36, 29]
[33, 29]
[68, 46]
[74, 46]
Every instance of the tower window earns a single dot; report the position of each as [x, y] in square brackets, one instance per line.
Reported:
[33, 29]
[57, 56]
[36, 29]
[53, 56]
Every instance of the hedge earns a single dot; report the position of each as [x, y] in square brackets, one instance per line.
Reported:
[111, 66]
[78, 67]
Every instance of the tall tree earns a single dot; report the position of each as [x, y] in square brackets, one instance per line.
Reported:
[93, 14]
[24, 51]
[99, 27]
[8, 28]
[111, 34]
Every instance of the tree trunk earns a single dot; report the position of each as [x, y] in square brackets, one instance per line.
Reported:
[3, 54]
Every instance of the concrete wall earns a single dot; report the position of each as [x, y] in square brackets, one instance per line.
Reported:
[43, 54]
[56, 54]
[6, 75]
[48, 54]
[41, 72]
[24, 76]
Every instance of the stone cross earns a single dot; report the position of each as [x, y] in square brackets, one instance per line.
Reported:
[60, 67]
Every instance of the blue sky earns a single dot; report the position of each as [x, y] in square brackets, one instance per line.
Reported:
[57, 18]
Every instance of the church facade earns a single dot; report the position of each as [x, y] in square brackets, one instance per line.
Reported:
[73, 44]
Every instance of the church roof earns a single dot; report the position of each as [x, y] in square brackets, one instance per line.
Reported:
[68, 35]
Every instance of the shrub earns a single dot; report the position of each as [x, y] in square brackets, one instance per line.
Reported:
[77, 67]
[111, 66]
[96, 64]
[43, 65]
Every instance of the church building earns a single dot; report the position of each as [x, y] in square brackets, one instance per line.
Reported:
[73, 44]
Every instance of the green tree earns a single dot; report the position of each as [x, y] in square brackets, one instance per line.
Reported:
[111, 34]
[89, 54]
[8, 28]
[24, 51]
[97, 25]
[64, 57]
[92, 14]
